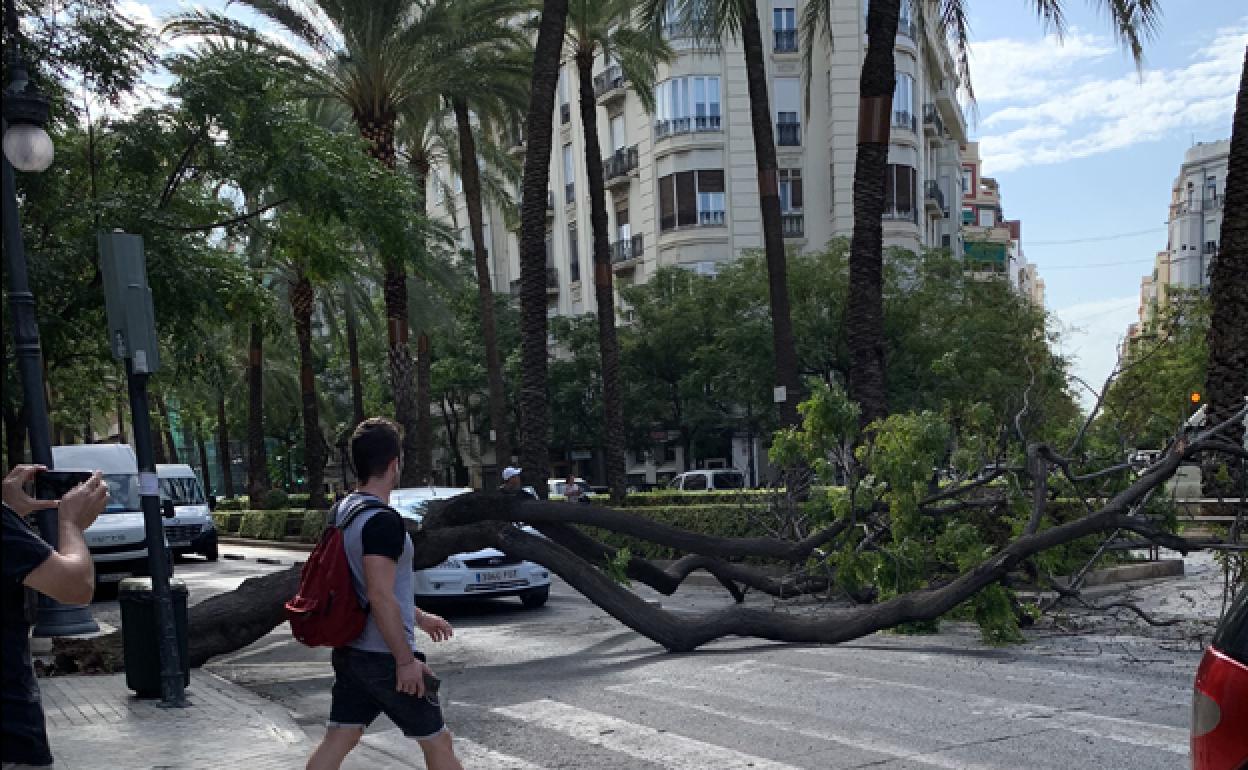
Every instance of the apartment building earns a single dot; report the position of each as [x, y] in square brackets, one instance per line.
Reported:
[992, 244]
[1194, 227]
[682, 183]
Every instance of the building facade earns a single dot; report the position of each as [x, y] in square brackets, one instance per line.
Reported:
[992, 244]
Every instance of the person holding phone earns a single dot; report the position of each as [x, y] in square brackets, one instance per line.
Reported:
[65, 574]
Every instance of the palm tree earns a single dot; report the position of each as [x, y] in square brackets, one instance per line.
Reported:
[1226, 379]
[712, 21]
[1132, 21]
[534, 413]
[606, 27]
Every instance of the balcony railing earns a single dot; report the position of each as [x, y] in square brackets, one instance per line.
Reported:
[933, 193]
[673, 126]
[569, 192]
[899, 215]
[905, 119]
[621, 163]
[686, 29]
[627, 250]
[552, 279]
[565, 114]
[789, 134]
[710, 218]
[609, 80]
[786, 41]
[932, 121]
[793, 224]
[907, 28]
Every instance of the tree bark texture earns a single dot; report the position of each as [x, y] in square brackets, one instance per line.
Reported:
[534, 410]
[353, 358]
[223, 447]
[604, 291]
[202, 447]
[166, 427]
[471, 174]
[1226, 379]
[865, 311]
[422, 446]
[784, 347]
[257, 454]
[302, 299]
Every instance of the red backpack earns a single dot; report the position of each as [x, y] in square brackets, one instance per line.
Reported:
[326, 610]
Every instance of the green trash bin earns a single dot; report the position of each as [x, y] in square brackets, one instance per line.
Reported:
[140, 634]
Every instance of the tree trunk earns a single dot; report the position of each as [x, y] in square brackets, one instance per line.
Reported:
[302, 297]
[422, 457]
[604, 291]
[485, 290]
[1226, 380]
[784, 348]
[121, 418]
[865, 312]
[14, 435]
[157, 437]
[166, 426]
[534, 411]
[223, 447]
[353, 357]
[257, 456]
[204, 469]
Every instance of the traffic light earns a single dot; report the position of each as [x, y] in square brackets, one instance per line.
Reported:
[1195, 397]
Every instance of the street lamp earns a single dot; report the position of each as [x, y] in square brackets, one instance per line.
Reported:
[27, 146]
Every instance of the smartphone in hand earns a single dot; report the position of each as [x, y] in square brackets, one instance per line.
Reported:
[53, 485]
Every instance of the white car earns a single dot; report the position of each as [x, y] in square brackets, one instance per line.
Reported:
[719, 479]
[485, 573]
[191, 529]
[117, 539]
[559, 488]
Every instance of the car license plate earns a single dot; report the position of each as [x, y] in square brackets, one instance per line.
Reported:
[114, 577]
[497, 575]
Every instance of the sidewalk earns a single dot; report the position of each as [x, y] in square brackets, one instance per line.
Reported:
[95, 722]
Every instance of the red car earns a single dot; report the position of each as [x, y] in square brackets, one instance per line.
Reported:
[1220, 700]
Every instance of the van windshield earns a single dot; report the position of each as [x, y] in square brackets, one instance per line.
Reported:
[182, 491]
[729, 481]
[123, 492]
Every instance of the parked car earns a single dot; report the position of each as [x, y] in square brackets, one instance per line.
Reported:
[709, 480]
[191, 528]
[488, 573]
[117, 539]
[1220, 697]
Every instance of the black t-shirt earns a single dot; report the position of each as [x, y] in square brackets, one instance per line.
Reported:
[383, 534]
[25, 739]
[23, 551]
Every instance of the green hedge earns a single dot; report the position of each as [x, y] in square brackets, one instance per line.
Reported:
[312, 525]
[264, 525]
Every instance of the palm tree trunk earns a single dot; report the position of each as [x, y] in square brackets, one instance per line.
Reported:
[223, 447]
[353, 358]
[471, 175]
[204, 470]
[534, 413]
[604, 292]
[784, 348]
[865, 312]
[166, 427]
[257, 456]
[422, 457]
[302, 297]
[1226, 379]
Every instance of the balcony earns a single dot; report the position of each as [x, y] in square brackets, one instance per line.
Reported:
[948, 108]
[786, 41]
[569, 193]
[934, 199]
[906, 28]
[565, 114]
[625, 253]
[610, 86]
[788, 134]
[617, 170]
[933, 125]
[674, 126]
[894, 214]
[710, 218]
[906, 121]
[793, 224]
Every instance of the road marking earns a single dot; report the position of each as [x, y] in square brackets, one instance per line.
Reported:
[638, 741]
[1121, 729]
[863, 743]
[393, 743]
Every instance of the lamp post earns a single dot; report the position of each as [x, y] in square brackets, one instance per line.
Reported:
[28, 148]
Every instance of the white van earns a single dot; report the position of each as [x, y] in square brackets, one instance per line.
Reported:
[117, 539]
[190, 529]
[717, 480]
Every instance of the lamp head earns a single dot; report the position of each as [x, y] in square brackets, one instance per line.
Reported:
[26, 144]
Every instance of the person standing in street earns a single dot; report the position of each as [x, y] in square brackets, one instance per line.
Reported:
[65, 574]
[572, 491]
[382, 671]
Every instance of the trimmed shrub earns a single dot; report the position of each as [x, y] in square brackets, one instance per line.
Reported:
[263, 525]
[276, 499]
[222, 522]
[717, 520]
[313, 524]
[232, 503]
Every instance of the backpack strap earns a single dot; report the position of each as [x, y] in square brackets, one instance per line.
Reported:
[356, 511]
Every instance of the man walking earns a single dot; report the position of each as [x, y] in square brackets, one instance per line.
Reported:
[66, 574]
[381, 671]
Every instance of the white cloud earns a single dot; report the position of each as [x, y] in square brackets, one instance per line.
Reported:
[1091, 333]
[1051, 113]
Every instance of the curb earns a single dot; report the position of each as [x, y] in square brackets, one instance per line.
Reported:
[1127, 573]
[307, 547]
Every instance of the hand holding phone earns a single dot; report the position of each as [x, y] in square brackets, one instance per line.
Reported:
[84, 502]
[53, 485]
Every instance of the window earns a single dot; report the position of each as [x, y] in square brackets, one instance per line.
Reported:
[899, 191]
[784, 24]
[569, 175]
[903, 101]
[966, 181]
[1211, 247]
[1211, 188]
[623, 230]
[574, 258]
[689, 198]
[788, 96]
[695, 482]
[790, 190]
[987, 217]
[687, 104]
[617, 133]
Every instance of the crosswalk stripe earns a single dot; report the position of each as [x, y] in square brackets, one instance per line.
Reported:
[471, 754]
[654, 691]
[638, 741]
[1120, 729]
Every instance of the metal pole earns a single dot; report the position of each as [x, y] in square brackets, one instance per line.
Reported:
[54, 618]
[171, 683]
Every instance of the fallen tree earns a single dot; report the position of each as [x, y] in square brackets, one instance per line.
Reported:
[870, 522]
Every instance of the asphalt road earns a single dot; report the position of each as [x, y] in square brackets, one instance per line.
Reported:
[566, 686]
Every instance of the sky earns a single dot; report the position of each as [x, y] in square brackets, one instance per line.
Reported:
[1084, 144]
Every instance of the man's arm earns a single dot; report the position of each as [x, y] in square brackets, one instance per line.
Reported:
[379, 577]
[68, 574]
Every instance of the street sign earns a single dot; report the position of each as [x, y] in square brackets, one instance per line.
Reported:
[128, 301]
